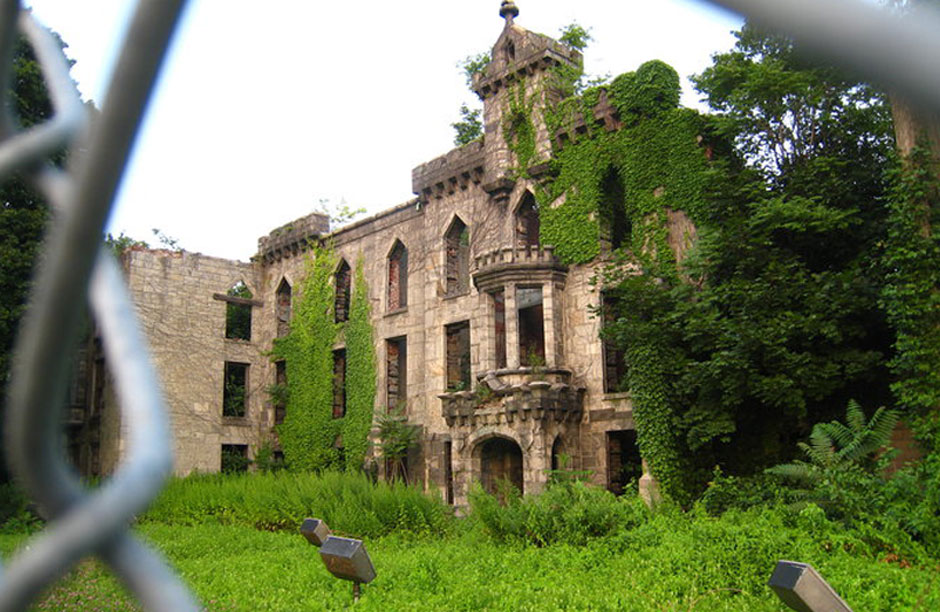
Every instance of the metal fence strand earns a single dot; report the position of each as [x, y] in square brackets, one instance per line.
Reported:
[887, 47]
[33, 144]
[83, 523]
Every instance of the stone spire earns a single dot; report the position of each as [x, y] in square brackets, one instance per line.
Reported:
[508, 11]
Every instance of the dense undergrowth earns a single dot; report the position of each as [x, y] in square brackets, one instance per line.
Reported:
[350, 503]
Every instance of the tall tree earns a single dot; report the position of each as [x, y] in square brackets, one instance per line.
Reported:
[23, 213]
[774, 322]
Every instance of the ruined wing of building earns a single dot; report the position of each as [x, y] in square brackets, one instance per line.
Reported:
[464, 294]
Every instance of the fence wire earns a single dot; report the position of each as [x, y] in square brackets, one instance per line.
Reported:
[894, 49]
[74, 268]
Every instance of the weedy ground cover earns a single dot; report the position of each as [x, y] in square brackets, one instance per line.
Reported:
[669, 561]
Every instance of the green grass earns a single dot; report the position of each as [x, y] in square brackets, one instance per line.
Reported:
[673, 561]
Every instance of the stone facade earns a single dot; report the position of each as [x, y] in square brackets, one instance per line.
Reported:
[457, 269]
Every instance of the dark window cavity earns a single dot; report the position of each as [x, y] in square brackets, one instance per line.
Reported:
[614, 224]
[235, 458]
[457, 260]
[396, 368]
[234, 393]
[238, 315]
[343, 292]
[531, 326]
[283, 308]
[457, 338]
[615, 363]
[499, 327]
[527, 222]
[398, 277]
[339, 383]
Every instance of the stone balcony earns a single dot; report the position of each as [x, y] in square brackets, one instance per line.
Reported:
[520, 264]
[508, 396]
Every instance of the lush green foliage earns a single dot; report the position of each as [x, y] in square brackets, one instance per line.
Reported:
[569, 511]
[395, 437]
[518, 128]
[911, 295]
[23, 212]
[349, 502]
[775, 310]
[360, 374]
[312, 438]
[670, 561]
[469, 127]
[309, 431]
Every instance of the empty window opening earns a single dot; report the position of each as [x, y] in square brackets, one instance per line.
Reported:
[614, 225]
[398, 277]
[339, 383]
[343, 292]
[527, 222]
[234, 393]
[237, 313]
[615, 362]
[457, 338]
[283, 308]
[559, 459]
[509, 50]
[457, 264]
[499, 327]
[235, 458]
[531, 326]
[501, 460]
[280, 392]
[624, 465]
[449, 471]
[396, 368]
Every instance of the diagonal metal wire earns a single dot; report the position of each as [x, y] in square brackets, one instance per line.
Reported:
[85, 523]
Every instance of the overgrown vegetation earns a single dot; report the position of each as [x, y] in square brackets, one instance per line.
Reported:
[350, 503]
[313, 438]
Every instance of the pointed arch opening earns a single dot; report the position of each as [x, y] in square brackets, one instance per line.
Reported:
[283, 308]
[398, 277]
[457, 258]
[615, 228]
[343, 280]
[527, 222]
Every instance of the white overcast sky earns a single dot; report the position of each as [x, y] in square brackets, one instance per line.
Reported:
[264, 108]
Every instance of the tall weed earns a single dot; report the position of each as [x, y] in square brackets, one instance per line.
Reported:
[349, 503]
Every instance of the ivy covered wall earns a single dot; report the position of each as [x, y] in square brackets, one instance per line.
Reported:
[312, 439]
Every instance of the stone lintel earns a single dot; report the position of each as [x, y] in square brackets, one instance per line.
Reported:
[237, 300]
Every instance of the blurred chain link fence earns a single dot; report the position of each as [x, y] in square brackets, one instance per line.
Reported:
[74, 268]
[893, 48]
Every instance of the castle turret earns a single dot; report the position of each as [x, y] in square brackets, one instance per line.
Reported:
[525, 73]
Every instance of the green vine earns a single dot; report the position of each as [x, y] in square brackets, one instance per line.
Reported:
[518, 127]
[360, 373]
[309, 433]
[911, 295]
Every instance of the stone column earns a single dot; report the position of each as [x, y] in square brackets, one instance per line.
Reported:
[512, 327]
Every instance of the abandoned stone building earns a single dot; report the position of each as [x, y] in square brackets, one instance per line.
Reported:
[463, 293]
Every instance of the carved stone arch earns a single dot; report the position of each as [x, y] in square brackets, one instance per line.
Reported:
[342, 283]
[498, 455]
[456, 257]
[283, 301]
[397, 276]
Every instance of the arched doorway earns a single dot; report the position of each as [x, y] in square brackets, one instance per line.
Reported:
[500, 459]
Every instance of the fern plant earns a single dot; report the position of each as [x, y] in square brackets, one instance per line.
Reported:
[841, 460]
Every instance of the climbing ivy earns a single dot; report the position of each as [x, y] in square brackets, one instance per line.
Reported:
[911, 294]
[360, 373]
[309, 431]
[310, 435]
[518, 126]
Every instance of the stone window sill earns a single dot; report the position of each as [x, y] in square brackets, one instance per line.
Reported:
[238, 421]
[612, 397]
[454, 296]
[397, 311]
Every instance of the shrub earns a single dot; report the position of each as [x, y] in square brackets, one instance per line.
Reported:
[16, 512]
[568, 511]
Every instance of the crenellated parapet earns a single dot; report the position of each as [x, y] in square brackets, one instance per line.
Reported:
[292, 238]
[529, 263]
[449, 173]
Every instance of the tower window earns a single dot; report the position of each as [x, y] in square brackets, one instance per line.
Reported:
[457, 258]
[238, 313]
[343, 292]
[283, 308]
[398, 277]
